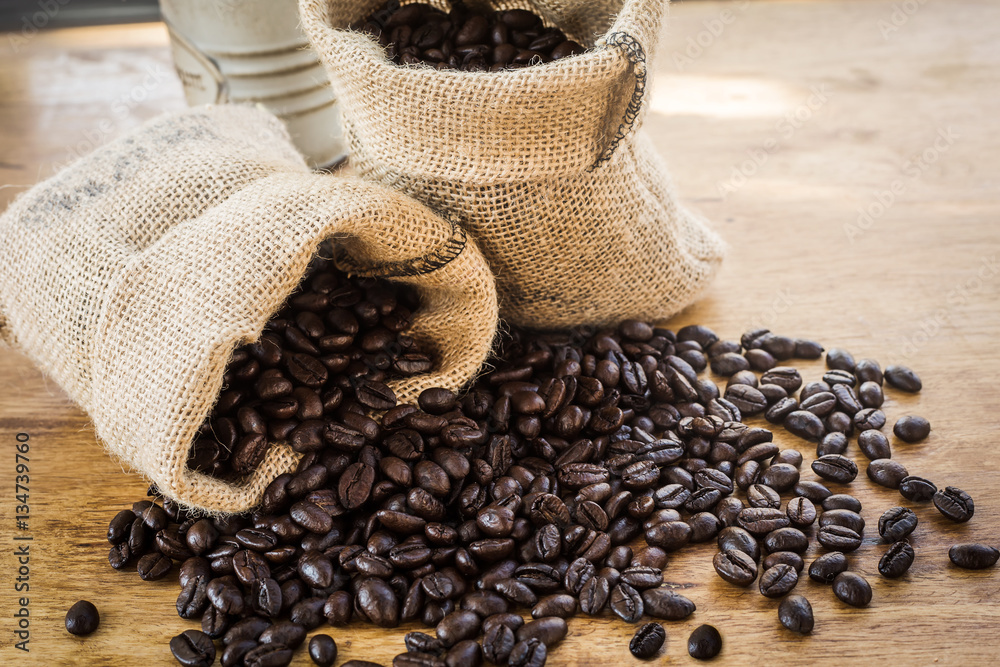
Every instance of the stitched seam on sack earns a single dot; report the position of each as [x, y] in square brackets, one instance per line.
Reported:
[417, 266]
[636, 55]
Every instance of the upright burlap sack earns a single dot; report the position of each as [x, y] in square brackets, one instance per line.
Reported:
[574, 211]
[130, 277]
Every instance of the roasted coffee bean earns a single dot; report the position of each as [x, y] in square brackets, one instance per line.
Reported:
[911, 428]
[835, 468]
[704, 643]
[665, 604]
[192, 648]
[853, 589]
[832, 443]
[498, 642]
[896, 560]
[83, 618]
[193, 597]
[761, 495]
[954, 504]
[874, 445]
[796, 614]
[786, 539]
[378, 602]
[669, 535]
[559, 604]
[783, 558]
[800, 511]
[626, 603]
[820, 404]
[528, 653]
[458, 626]
[153, 566]
[817, 492]
[869, 418]
[973, 556]
[917, 489]
[840, 359]
[594, 596]
[826, 568]
[841, 501]
[736, 567]
[896, 523]
[120, 527]
[838, 538]
[780, 476]
[284, 633]
[466, 653]
[323, 650]
[268, 655]
[734, 537]
[870, 394]
[548, 630]
[805, 425]
[778, 580]
[903, 378]
[781, 409]
[647, 641]
[762, 520]
[887, 473]
[843, 517]
[748, 399]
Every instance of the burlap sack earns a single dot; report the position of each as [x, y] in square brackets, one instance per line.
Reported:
[131, 276]
[572, 208]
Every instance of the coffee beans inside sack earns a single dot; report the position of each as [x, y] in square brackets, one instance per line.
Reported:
[132, 276]
[539, 155]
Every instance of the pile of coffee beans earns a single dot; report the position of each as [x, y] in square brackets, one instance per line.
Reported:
[320, 364]
[528, 492]
[466, 40]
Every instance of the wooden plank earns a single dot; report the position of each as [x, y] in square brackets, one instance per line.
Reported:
[916, 285]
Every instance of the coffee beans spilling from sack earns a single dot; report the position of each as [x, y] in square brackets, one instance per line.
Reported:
[324, 355]
[465, 39]
[529, 492]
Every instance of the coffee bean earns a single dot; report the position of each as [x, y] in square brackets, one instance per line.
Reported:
[917, 489]
[647, 641]
[869, 418]
[626, 603]
[778, 580]
[853, 589]
[887, 472]
[903, 378]
[954, 504]
[896, 560]
[800, 511]
[817, 492]
[805, 424]
[973, 556]
[83, 618]
[284, 633]
[528, 653]
[736, 567]
[843, 517]
[896, 523]
[838, 538]
[458, 626]
[665, 604]
[796, 614]
[704, 643]
[762, 520]
[826, 567]
[832, 443]
[192, 648]
[153, 566]
[193, 598]
[786, 539]
[378, 602]
[748, 399]
[498, 642]
[911, 428]
[835, 468]
[268, 655]
[874, 445]
[842, 501]
[789, 558]
[840, 359]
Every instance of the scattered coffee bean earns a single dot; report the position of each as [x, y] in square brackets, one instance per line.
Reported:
[647, 641]
[796, 614]
[853, 589]
[911, 428]
[82, 618]
[954, 504]
[826, 568]
[896, 523]
[896, 560]
[973, 556]
[902, 378]
[705, 642]
[193, 648]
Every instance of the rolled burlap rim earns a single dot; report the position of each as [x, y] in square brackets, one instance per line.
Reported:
[538, 122]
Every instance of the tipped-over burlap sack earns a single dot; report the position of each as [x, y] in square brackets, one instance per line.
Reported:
[574, 211]
[130, 277]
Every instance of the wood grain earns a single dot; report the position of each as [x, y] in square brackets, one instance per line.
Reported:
[818, 112]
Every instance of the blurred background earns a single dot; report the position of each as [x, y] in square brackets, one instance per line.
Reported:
[15, 14]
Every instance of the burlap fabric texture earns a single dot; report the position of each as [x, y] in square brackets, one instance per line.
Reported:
[544, 166]
[131, 276]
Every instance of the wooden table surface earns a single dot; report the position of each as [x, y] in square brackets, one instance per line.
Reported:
[848, 152]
